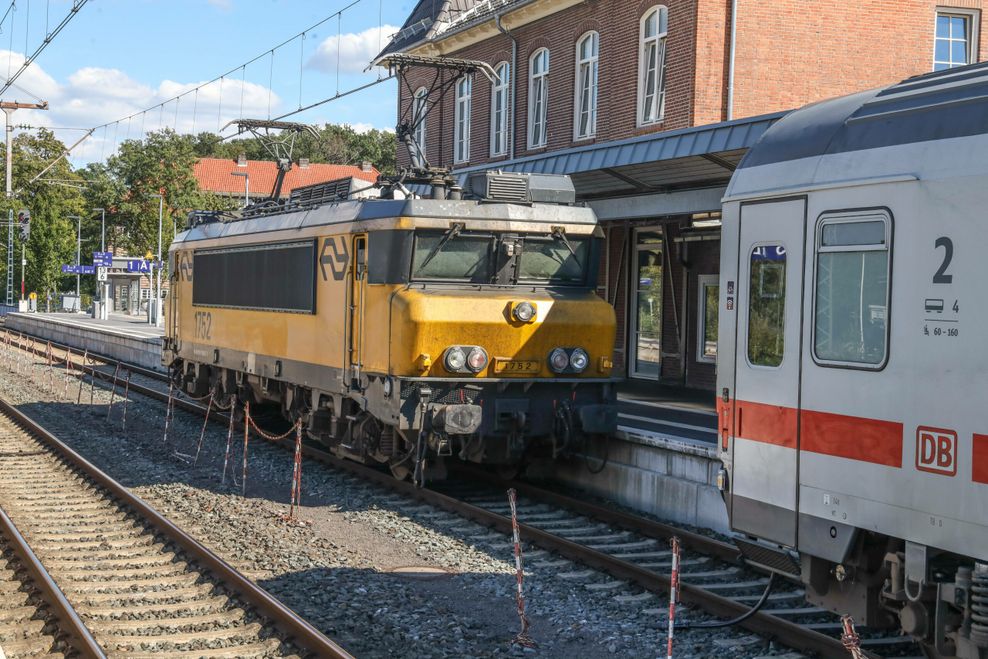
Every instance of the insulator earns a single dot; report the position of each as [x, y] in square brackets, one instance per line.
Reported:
[979, 605]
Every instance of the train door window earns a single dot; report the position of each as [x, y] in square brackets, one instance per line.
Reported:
[708, 304]
[767, 305]
[850, 325]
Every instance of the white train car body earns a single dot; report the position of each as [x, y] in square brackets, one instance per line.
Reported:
[853, 365]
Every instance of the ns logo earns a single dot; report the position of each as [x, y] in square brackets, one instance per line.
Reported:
[334, 255]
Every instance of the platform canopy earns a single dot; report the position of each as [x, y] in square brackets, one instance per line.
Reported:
[664, 161]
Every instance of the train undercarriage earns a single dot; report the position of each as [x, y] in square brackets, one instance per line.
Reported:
[938, 598]
[414, 424]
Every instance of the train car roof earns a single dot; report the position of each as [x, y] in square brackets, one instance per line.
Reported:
[823, 141]
[367, 211]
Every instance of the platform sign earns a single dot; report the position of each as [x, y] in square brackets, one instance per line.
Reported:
[103, 259]
[102, 273]
[138, 265]
[78, 270]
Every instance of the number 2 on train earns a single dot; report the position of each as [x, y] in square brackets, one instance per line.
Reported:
[204, 324]
[941, 276]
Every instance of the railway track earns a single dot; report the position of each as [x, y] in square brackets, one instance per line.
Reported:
[132, 583]
[631, 549]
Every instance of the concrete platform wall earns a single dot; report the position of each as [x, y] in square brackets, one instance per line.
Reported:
[144, 352]
[667, 477]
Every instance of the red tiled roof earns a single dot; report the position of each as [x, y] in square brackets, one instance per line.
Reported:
[216, 175]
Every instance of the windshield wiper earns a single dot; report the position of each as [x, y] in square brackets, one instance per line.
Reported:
[453, 231]
[558, 234]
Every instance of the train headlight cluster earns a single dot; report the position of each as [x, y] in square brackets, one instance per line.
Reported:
[568, 360]
[578, 360]
[524, 312]
[455, 359]
[465, 359]
[558, 360]
[476, 359]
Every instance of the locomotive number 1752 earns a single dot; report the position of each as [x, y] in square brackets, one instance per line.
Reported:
[204, 325]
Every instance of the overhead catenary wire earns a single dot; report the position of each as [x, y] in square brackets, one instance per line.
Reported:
[228, 73]
[49, 37]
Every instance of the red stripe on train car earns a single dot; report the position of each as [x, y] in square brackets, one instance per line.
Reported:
[852, 437]
[770, 424]
[979, 459]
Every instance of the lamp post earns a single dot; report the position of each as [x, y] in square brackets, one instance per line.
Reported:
[246, 176]
[78, 258]
[156, 290]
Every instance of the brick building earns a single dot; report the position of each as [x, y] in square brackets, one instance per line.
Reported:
[649, 106]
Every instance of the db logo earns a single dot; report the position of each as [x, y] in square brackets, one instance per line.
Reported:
[936, 450]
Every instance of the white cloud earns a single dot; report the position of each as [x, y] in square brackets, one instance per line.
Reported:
[353, 49]
[92, 96]
[225, 5]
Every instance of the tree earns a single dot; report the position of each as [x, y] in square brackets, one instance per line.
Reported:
[335, 144]
[161, 164]
[51, 200]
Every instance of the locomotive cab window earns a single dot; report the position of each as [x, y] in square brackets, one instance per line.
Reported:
[456, 255]
[851, 297]
[767, 305]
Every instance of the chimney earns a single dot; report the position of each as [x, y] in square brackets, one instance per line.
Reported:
[303, 163]
[365, 166]
[242, 160]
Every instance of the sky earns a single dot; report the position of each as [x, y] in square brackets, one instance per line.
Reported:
[116, 58]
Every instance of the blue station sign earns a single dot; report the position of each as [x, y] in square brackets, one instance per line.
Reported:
[103, 259]
[79, 269]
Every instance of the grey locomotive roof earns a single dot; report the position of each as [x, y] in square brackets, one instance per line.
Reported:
[382, 209]
[935, 106]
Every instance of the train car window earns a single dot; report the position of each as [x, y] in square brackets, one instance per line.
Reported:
[453, 256]
[767, 305]
[850, 324]
[550, 259]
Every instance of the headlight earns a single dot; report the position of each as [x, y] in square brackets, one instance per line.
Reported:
[558, 360]
[578, 360]
[524, 312]
[455, 360]
[477, 360]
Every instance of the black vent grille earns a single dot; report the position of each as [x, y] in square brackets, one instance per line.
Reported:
[773, 559]
[321, 193]
[507, 188]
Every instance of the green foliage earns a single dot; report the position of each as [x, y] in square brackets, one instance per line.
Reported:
[51, 200]
[338, 145]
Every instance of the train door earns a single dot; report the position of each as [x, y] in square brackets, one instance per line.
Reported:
[358, 286]
[767, 370]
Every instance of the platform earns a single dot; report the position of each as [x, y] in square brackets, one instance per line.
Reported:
[127, 338]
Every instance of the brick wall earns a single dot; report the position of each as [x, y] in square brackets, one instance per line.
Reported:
[618, 24]
[788, 55]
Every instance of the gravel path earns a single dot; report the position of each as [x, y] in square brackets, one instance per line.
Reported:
[335, 565]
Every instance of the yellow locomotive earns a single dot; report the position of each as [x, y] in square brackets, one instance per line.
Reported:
[405, 330]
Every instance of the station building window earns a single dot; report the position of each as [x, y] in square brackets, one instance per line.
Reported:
[651, 66]
[851, 296]
[767, 305]
[538, 98]
[461, 146]
[707, 308]
[499, 110]
[418, 117]
[955, 42]
[587, 49]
